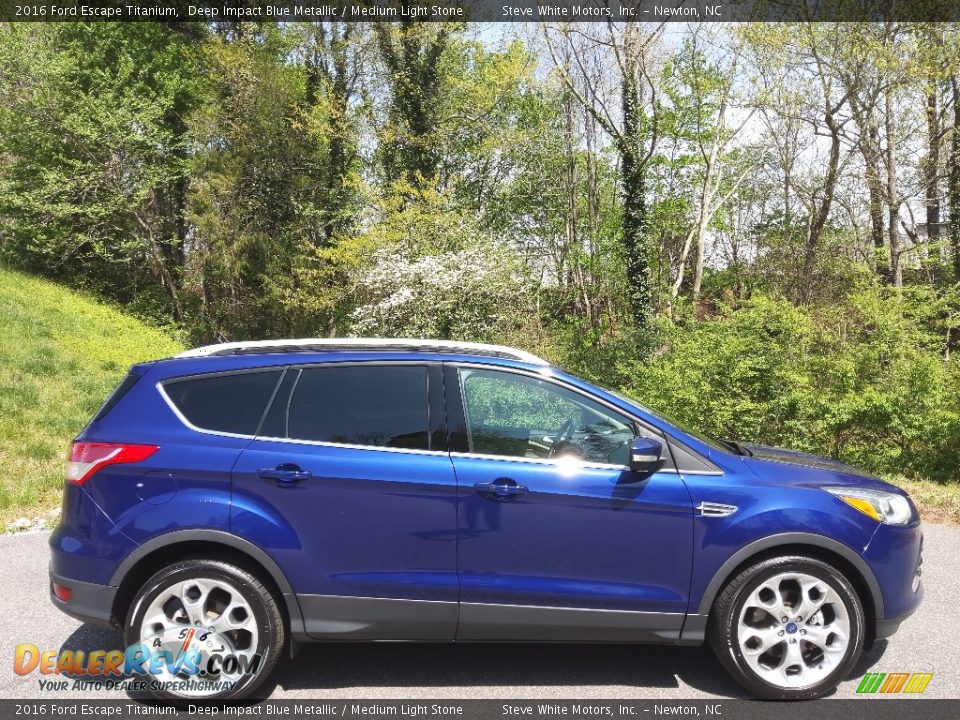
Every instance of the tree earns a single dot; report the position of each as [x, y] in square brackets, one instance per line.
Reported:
[702, 96]
[633, 130]
[334, 83]
[271, 188]
[953, 178]
[96, 154]
[412, 53]
[808, 48]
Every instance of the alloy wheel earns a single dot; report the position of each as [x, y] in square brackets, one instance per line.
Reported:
[205, 615]
[793, 630]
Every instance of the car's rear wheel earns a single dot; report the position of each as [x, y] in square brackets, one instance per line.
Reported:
[788, 628]
[210, 629]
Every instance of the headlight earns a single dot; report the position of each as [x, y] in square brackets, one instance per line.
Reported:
[885, 507]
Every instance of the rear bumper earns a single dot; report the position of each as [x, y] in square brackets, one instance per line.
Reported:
[89, 602]
[86, 544]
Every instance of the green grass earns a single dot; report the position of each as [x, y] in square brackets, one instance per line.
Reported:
[61, 353]
[937, 502]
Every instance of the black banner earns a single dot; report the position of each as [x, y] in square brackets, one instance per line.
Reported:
[617, 11]
[872, 708]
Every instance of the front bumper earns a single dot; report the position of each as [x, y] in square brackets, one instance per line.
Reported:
[89, 602]
[895, 554]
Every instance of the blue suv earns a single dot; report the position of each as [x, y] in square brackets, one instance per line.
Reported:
[242, 498]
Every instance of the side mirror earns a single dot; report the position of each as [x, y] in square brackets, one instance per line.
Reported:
[645, 455]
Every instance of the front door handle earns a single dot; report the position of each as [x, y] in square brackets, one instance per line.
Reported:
[502, 488]
[285, 474]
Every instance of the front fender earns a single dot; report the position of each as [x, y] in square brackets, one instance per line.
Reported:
[762, 545]
[769, 516]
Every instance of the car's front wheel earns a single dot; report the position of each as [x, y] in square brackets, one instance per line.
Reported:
[788, 628]
[205, 629]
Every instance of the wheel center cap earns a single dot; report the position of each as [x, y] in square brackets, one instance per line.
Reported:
[791, 627]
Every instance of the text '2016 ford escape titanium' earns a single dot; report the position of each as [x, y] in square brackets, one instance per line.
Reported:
[243, 497]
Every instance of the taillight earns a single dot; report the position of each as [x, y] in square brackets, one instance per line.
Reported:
[88, 457]
[62, 592]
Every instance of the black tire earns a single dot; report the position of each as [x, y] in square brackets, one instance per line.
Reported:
[269, 620]
[724, 620]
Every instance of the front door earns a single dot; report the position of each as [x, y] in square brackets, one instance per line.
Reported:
[350, 489]
[558, 539]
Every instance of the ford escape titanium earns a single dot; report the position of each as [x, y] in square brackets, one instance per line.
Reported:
[241, 498]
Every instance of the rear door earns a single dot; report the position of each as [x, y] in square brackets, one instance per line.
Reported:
[350, 488]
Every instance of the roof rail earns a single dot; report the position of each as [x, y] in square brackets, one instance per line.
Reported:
[361, 344]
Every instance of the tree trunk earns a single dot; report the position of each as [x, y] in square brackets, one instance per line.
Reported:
[635, 220]
[702, 226]
[819, 219]
[412, 52]
[148, 224]
[869, 148]
[593, 214]
[568, 254]
[953, 179]
[932, 165]
[893, 192]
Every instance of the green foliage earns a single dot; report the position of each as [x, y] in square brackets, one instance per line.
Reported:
[864, 380]
[62, 354]
[92, 136]
[495, 402]
[255, 194]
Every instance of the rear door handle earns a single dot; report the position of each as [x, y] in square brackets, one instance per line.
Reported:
[285, 474]
[501, 488]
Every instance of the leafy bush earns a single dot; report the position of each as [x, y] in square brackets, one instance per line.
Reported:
[866, 380]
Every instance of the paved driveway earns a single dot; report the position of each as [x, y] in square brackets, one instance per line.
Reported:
[928, 642]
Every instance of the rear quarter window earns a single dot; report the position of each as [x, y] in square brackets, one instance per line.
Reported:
[230, 403]
[116, 396]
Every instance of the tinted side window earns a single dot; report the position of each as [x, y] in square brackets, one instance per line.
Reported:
[383, 406]
[519, 416]
[224, 403]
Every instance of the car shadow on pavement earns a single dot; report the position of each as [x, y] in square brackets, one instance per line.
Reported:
[89, 637]
[320, 668]
[334, 666]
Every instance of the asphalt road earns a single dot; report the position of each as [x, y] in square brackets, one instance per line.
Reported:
[928, 642]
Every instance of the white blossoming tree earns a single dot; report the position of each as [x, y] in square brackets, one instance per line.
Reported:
[478, 293]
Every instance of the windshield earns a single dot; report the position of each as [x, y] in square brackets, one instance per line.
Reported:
[703, 437]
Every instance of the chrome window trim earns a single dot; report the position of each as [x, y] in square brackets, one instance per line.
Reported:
[220, 433]
[351, 446]
[294, 441]
[545, 374]
[714, 473]
[282, 369]
[557, 462]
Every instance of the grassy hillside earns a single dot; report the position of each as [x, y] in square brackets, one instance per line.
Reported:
[60, 355]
